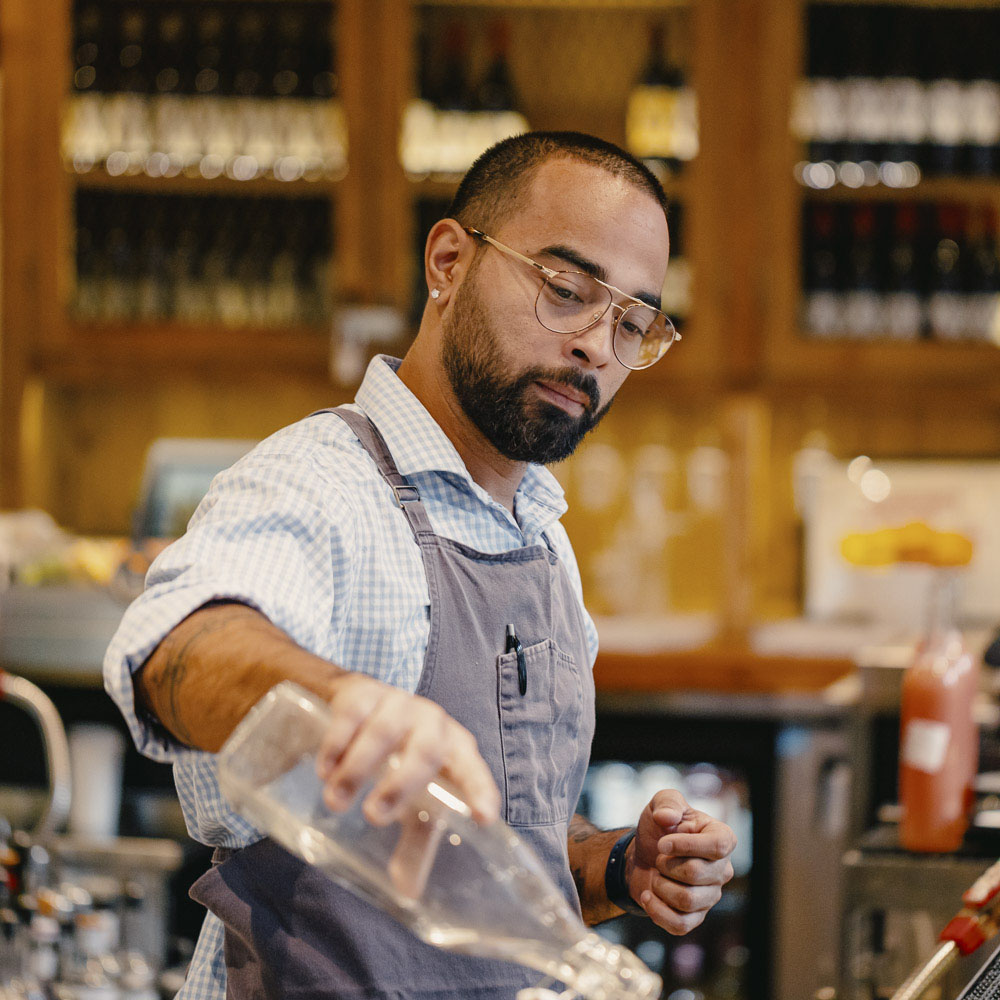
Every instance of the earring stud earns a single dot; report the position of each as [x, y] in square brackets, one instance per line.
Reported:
[435, 293]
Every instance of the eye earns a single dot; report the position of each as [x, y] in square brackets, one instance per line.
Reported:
[630, 329]
[563, 290]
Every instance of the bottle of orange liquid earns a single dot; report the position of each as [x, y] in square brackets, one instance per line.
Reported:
[939, 739]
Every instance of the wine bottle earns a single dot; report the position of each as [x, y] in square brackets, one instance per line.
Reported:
[864, 105]
[903, 93]
[825, 124]
[661, 118]
[946, 105]
[453, 89]
[822, 286]
[904, 316]
[982, 276]
[495, 91]
[982, 97]
[863, 305]
[947, 306]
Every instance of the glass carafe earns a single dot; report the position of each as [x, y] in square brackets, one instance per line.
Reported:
[454, 883]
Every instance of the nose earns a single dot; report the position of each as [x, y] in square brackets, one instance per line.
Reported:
[593, 346]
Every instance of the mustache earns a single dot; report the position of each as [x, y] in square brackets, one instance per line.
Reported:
[569, 377]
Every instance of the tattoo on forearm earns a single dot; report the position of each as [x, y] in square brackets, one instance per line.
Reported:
[581, 830]
[178, 651]
[579, 879]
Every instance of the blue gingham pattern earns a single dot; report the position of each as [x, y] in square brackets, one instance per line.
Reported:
[305, 530]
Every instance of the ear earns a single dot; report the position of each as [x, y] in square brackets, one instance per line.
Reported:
[447, 255]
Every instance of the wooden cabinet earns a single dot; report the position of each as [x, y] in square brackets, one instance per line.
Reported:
[79, 401]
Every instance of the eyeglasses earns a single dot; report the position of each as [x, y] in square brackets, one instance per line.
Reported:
[573, 301]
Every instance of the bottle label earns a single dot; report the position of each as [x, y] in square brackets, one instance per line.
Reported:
[946, 112]
[925, 744]
[982, 118]
[905, 101]
[865, 110]
[829, 110]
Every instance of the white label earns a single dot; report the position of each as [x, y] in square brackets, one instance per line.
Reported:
[982, 112]
[904, 315]
[925, 744]
[828, 110]
[946, 112]
[865, 110]
[905, 109]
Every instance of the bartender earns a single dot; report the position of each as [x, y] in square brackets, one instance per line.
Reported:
[403, 558]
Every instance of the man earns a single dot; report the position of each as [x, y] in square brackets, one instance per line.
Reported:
[403, 558]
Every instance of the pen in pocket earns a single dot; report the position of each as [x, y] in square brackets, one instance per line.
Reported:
[513, 644]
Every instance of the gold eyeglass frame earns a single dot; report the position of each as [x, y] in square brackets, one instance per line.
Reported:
[612, 304]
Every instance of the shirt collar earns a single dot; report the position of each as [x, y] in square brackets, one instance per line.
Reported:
[418, 444]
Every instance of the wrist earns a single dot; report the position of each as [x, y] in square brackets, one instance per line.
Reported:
[617, 872]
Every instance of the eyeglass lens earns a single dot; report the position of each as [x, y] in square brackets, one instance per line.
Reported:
[571, 301]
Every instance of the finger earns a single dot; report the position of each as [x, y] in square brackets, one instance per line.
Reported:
[349, 708]
[420, 758]
[683, 898]
[374, 741]
[713, 843]
[663, 915]
[668, 806]
[694, 871]
[468, 772]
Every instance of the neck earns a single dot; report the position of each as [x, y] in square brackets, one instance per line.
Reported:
[498, 475]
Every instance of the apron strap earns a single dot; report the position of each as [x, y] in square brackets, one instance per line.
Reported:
[407, 495]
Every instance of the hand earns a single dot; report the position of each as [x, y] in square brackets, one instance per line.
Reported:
[369, 722]
[680, 862]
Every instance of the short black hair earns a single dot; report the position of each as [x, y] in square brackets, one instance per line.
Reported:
[494, 185]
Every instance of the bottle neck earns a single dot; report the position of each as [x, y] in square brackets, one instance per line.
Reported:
[942, 604]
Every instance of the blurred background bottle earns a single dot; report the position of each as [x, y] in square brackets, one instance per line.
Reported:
[661, 122]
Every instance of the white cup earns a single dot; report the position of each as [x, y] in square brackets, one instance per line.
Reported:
[96, 758]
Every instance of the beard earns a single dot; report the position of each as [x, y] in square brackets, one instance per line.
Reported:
[505, 408]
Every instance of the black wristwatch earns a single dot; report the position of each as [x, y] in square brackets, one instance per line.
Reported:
[615, 883]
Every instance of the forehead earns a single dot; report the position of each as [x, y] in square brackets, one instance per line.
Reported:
[606, 218]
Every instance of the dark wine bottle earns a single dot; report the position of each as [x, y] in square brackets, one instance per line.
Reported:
[453, 88]
[982, 96]
[982, 278]
[823, 299]
[496, 90]
[863, 305]
[945, 96]
[947, 306]
[903, 93]
[91, 49]
[904, 299]
[133, 51]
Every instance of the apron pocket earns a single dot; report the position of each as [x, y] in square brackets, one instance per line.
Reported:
[539, 733]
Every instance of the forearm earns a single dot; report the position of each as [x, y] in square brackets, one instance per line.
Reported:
[588, 858]
[215, 665]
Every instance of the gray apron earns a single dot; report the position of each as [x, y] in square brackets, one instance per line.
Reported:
[292, 933]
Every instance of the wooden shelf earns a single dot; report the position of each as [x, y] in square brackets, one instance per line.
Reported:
[802, 358]
[100, 180]
[93, 352]
[570, 6]
[716, 668]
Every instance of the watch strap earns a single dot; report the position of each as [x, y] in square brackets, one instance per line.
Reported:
[615, 883]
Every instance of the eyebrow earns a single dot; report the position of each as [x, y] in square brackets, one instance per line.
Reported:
[592, 268]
